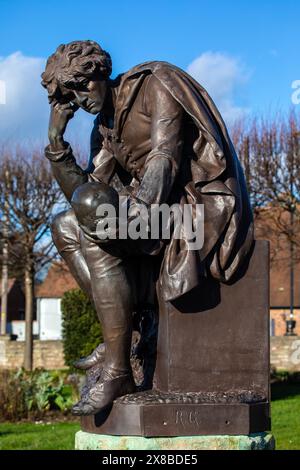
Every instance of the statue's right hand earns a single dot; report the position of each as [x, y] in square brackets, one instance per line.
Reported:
[59, 117]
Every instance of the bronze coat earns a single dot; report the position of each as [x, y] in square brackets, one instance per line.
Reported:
[212, 176]
[209, 173]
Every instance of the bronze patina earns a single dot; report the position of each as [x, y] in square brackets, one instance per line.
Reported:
[158, 138]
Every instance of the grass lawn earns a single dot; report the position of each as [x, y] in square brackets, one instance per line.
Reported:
[286, 416]
[30, 436]
[58, 436]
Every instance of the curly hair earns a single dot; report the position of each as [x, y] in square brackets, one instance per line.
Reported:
[72, 65]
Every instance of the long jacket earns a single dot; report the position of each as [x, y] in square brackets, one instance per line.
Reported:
[169, 138]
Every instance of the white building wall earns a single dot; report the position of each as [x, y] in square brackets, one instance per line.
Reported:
[49, 318]
[17, 327]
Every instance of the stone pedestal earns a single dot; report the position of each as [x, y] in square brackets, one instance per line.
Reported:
[216, 338]
[154, 413]
[89, 441]
[212, 367]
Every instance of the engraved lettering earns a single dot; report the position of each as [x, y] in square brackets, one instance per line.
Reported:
[187, 417]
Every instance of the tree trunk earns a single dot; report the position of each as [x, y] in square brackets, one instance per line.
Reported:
[4, 278]
[28, 316]
[4, 287]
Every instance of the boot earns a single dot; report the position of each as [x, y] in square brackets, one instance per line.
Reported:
[96, 357]
[102, 395]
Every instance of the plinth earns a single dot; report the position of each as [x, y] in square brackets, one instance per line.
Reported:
[90, 441]
[212, 366]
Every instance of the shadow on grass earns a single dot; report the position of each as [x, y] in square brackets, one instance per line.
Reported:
[282, 390]
[16, 428]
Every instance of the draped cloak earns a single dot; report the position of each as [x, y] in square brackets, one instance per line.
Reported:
[211, 176]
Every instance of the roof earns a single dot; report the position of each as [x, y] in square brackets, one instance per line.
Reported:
[280, 286]
[58, 281]
[268, 227]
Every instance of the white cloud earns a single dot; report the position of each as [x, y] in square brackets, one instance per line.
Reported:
[223, 77]
[26, 112]
[2, 92]
[25, 115]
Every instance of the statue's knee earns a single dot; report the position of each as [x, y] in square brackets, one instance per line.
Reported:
[57, 224]
[64, 228]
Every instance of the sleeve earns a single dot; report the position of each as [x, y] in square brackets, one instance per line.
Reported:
[67, 173]
[163, 161]
[70, 175]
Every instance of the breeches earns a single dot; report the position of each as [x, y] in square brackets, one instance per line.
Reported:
[88, 260]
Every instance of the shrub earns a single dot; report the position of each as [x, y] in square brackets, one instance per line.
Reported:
[26, 394]
[288, 377]
[81, 329]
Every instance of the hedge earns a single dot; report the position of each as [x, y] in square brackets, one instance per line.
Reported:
[81, 329]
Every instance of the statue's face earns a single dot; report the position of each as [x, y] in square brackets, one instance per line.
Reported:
[91, 97]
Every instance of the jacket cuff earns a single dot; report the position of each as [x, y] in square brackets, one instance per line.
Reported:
[59, 155]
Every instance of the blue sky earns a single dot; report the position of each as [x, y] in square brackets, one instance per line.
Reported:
[247, 51]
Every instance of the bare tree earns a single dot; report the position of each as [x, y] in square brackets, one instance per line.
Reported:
[270, 153]
[30, 194]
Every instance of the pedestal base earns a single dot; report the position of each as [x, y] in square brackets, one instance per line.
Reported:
[153, 413]
[89, 441]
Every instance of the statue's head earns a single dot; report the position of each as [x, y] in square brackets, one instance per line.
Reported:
[78, 72]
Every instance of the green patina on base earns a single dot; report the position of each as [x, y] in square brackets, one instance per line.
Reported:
[89, 441]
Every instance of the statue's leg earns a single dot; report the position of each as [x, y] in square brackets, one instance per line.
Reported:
[112, 293]
[66, 237]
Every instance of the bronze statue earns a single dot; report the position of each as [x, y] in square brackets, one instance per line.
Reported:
[158, 131]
